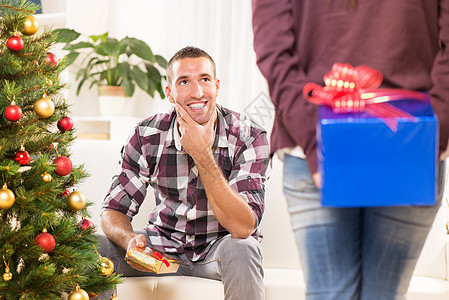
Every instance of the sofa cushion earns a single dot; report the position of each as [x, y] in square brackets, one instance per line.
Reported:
[170, 288]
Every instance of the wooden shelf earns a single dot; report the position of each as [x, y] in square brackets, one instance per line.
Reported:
[104, 128]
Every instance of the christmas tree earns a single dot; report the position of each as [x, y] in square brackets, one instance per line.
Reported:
[47, 242]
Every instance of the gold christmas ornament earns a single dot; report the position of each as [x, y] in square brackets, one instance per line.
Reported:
[48, 82]
[106, 265]
[7, 197]
[78, 294]
[46, 177]
[44, 107]
[30, 26]
[76, 201]
[114, 296]
[7, 276]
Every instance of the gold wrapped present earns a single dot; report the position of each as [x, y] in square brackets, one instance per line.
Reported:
[153, 261]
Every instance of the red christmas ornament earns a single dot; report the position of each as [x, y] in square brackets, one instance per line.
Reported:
[66, 193]
[51, 59]
[46, 241]
[85, 224]
[22, 157]
[63, 165]
[65, 124]
[13, 112]
[14, 43]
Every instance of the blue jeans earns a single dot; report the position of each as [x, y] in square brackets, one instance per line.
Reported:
[236, 262]
[354, 253]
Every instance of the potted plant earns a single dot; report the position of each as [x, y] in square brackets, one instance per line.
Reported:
[112, 65]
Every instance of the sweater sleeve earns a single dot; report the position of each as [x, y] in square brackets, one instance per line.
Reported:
[274, 44]
[440, 77]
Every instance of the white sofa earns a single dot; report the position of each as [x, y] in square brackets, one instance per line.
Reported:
[283, 274]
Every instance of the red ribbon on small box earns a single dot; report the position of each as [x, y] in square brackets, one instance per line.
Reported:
[354, 90]
[161, 258]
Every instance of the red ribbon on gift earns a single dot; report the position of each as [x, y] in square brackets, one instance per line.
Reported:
[161, 258]
[355, 90]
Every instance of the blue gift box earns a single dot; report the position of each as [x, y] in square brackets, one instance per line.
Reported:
[363, 162]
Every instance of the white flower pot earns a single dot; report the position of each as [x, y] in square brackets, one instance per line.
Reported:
[112, 101]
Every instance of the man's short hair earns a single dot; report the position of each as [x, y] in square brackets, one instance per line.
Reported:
[187, 52]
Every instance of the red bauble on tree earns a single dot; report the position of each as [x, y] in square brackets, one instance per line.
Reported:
[46, 241]
[13, 112]
[22, 157]
[51, 59]
[64, 194]
[63, 165]
[65, 124]
[85, 224]
[14, 43]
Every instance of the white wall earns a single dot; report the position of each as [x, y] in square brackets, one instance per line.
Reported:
[222, 28]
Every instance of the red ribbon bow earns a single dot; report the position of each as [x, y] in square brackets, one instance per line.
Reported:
[355, 90]
[161, 258]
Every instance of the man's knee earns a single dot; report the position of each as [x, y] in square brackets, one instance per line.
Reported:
[242, 249]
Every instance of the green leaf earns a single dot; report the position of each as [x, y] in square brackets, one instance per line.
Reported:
[161, 61]
[151, 87]
[128, 87]
[102, 37]
[141, 49]
[80, 45]
[140, 78]
[124, 69]
[160, 90]
[64, 35]
[80, 85]
[153, 72]
[71, 57]
[111, 48]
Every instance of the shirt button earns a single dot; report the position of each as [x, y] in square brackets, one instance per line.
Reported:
[249, 177]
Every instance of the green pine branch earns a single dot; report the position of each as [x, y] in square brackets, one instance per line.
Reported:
[25, 77]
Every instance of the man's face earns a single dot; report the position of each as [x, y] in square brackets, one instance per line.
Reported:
[194, 87]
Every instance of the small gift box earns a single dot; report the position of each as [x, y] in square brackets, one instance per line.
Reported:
[153, 261]
[386, 159]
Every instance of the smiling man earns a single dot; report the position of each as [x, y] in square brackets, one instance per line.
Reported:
[207, 166]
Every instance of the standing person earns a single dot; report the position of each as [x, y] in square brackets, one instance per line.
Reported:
[207, 166]
[350, 253]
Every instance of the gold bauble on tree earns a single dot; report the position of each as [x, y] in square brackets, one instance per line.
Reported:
[106, 265]
[7, 276]
[30, 26]
[114, 296]
[48, 82]
[46, 177]
[44, 107]
[76, 201]
[7, 197]
[78, 294]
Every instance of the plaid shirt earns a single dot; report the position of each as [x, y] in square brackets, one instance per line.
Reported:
[183, 221]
